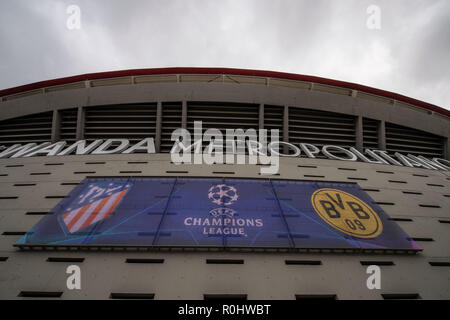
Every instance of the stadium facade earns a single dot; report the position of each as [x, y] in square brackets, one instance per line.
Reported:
[104, 138]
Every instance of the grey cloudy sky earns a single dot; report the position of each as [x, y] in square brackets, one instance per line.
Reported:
[328, 38]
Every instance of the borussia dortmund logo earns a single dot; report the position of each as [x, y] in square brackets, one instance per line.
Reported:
[346, 213]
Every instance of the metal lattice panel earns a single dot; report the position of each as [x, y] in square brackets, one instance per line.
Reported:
[131, 121]
[68, 131]
[370, 133]
[171, 120]
[321, 128]
[273, 118]
[222, 116]
[407, 140]
[31, 128]
[138, 121]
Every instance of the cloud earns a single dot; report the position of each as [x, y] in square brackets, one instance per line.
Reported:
[408, 55]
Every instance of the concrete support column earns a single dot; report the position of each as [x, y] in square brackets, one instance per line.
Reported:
[81, 115]
[158, 127]
[382, 135]
[286, 127]
[359, 133]
[261, 116]
[56, 126]
[447, 149]
[184, 115]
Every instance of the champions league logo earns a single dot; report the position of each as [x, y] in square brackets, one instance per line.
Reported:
[224, 220]
[222, 194]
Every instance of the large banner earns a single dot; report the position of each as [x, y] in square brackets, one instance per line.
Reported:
[218, 212]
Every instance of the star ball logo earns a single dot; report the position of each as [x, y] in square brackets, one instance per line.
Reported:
[223, 195]
[223, 220]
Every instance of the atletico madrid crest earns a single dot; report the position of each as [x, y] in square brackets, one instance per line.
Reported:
[96, 204]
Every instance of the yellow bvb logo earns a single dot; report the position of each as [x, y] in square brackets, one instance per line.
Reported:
[346, 213]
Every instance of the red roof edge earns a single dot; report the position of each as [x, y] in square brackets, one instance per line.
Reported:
[231, 71]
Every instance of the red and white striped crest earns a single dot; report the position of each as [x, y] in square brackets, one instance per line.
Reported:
[91, 213]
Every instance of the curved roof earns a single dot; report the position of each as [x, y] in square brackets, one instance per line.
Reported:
[229, 71]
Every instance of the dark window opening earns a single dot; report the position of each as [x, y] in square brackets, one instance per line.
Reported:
[225, 297]
[40, 294]
[400, 219]
[377, 263]
[315, 297]
[303, 262]
[439, 263]
[138, 296]
[224, 261]
[131, 260]
[58, 259]
[397, 296]
[423, 239]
